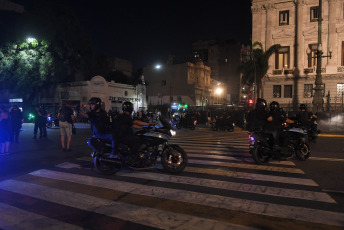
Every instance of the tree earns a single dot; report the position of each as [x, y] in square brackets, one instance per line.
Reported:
[257, 67]
[25, 67]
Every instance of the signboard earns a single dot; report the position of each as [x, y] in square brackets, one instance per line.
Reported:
[121, 99]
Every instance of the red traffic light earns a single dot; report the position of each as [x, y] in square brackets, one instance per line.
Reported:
[250, 101]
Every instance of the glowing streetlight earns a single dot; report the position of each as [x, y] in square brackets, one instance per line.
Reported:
[30, 40]
[157, 66]
[218, 91]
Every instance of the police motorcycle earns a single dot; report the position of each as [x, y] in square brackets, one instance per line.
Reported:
[52, 121]
[295, 143]
[155, 138]
[313, 131]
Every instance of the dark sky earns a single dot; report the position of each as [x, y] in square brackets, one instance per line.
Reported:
[146, 31]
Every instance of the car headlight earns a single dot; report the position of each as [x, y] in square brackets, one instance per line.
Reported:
[173, 132]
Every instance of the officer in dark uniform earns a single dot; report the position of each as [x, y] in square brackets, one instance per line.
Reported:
[274, 125]
[124, 130]
[257, 118]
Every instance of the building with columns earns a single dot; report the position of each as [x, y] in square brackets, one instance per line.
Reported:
[294, 25]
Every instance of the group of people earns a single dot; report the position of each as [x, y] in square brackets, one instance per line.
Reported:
[10, 125]
[260, 119]
[112, 127]
[40, 120]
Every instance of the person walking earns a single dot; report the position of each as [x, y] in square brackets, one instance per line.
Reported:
[66, 120]
[16, 121]
[4, 130]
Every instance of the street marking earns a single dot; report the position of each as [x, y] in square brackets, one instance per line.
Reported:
[250, 206]
[225, 157]
[134, 213]
[256, 189]
[248, 166]
[67, 165]
[251, 176]
[15, 218]
[326, 159]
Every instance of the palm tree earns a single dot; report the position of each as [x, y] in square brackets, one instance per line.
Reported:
[257, 67]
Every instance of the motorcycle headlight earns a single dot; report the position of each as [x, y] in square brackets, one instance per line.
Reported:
[173, 132]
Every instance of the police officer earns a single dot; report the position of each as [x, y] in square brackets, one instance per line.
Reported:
[257, 117]
[124, 130]
[100, 122]
[275, 120]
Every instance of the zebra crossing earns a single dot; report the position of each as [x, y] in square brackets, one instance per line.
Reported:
[221, 188]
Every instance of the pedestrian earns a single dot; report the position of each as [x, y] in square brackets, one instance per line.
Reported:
[4, 130]
[209, 117]
[38, 121]
[43, 122]
[66, 120]
[16, 121]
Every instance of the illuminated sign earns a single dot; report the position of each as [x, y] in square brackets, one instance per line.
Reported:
[120, 99]
[16, 100]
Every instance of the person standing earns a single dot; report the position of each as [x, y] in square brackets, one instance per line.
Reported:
[16, 121]
[43, 121]
[66, 120]
[4, 130]
[37, 119]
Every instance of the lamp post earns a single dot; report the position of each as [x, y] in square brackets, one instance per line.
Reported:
[318, 94]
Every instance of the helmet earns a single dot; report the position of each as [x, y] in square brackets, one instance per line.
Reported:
[303, 107]
[261, 103]
[274, 106]
[95, 101]
[127, 106]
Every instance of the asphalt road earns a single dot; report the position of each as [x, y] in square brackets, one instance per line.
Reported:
[218, 160]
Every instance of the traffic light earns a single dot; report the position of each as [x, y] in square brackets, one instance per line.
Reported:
[250, 101]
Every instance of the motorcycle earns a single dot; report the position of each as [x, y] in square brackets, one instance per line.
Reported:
[52, 121]
[313, 131]
[173, 158]
[295, 143]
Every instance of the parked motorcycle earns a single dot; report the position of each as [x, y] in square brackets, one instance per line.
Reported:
[295, 143]
[52, 121]
[173, 158]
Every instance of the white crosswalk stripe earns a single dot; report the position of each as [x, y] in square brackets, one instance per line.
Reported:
[220, 177]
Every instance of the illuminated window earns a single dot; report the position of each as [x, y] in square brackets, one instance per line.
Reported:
[340, 89]
[312, 61]
[282, 58]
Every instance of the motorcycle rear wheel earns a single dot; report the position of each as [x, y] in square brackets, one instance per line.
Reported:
[303, 152]
[104, 167]
[174, 161]
[259, 156]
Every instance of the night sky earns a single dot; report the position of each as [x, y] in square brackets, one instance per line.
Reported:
[146, 31]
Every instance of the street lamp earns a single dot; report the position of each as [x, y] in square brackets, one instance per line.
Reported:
[318, 95]
[218, 92]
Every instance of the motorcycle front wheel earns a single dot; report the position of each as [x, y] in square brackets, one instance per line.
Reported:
[303, 152]
[105, 166]
[259, 156]
[174, 159]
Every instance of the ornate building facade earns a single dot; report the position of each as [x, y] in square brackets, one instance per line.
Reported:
[294, 25]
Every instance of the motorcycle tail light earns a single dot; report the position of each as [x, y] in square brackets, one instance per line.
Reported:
[195, 122]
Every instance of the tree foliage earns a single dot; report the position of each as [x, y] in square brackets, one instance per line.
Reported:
[258, 66]
[25, 66]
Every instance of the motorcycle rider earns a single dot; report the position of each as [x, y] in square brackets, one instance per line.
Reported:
[305, 118]
[100, 122]
[275, 120]
[257, 118]
[124, 132]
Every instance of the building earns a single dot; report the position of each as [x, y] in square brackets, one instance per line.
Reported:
[294, 25]
[112, 94]
[187, 82]
[223, 57]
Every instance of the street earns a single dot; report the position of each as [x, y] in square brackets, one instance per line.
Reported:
[42, 187]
